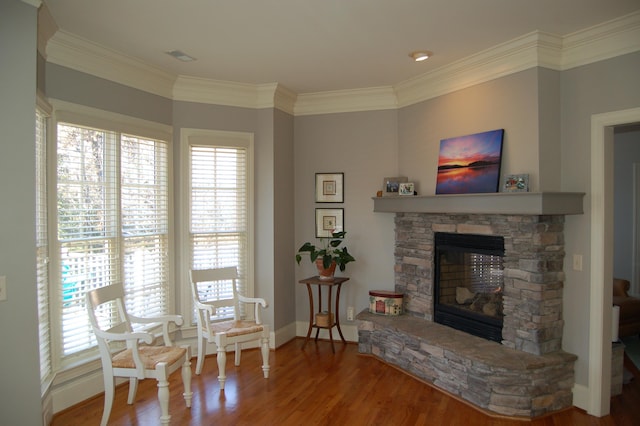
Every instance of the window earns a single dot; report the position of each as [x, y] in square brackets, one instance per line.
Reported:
[42, 249]
[112, 226]
[219, 211]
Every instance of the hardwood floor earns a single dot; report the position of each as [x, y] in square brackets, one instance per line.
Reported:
[316, 387]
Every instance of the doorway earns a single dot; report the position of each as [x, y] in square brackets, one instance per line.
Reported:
[627, 204]
[602, 135]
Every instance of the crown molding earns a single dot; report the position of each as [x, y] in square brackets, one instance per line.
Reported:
[73, 52]
[218, 92]
[34, 3]
[47, 27]
[504, 59]
[368, 99]
[537, 49]
[285, 99]
[229, 93]
[603, 41]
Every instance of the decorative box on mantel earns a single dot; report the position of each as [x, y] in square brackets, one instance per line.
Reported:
[385, 302]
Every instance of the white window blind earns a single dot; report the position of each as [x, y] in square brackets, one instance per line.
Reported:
[42, 249]
[219, 213]
[112, 224]
[145, 225]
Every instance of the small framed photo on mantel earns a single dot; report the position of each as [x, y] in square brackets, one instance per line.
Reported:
[391, 185]
[406, 188]
[516, 183]
[329, 187]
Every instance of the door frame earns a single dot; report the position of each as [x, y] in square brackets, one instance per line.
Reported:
[602, 126]
[635, 254]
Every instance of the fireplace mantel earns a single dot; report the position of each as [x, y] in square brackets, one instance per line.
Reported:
[512, 203]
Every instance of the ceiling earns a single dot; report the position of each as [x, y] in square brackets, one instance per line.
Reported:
[322, 45]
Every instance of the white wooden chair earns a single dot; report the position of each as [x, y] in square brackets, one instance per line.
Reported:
[227, 332]
[126, 353]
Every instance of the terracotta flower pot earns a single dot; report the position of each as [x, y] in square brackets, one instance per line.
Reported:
[325, 274]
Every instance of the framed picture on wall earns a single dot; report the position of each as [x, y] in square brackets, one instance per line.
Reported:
[470, 164]
[329, 221]
[329, 187]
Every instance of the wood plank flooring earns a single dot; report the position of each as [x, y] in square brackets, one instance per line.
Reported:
[315, 387]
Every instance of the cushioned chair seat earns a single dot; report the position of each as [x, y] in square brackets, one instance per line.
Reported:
[150, 356]
[236, 328]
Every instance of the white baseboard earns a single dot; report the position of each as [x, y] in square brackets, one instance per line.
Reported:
[581, 397]
[47, 409]
[283, 335]
[349, 331]
[77, 390]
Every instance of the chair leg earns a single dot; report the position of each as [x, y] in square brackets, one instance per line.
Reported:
[186, 376]
[109, 388]
[222, 363]
[162, 375]
[201, 346]
[238, 354]
[265, 357]
[133, 388]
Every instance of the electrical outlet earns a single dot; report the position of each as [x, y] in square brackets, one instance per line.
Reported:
[3, 288]
[350, 313]
[577, 262]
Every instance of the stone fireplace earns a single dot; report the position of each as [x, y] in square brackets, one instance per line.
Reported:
[533, 276]
[524, 372]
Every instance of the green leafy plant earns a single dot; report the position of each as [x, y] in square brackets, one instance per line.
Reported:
[329, 252]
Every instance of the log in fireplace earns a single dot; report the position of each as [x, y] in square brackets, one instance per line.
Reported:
[469, 283]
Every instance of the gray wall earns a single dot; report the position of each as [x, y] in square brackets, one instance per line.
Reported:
[549, 124]
[362, 145]
[509, 103]
[626, 153]
[284, 219]
[19, 360]
[605, 86]
[73, 86]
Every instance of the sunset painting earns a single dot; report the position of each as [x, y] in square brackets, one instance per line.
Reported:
[470, 164]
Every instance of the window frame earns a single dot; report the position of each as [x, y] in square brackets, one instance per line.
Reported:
[44, 109]
[204, 137]
[94, 118]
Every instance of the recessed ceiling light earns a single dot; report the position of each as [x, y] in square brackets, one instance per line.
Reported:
[181, 56]
[420, 55]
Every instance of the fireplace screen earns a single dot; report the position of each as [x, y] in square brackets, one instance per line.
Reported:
[469, 283]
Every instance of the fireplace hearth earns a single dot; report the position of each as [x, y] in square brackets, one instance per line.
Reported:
[469, 282]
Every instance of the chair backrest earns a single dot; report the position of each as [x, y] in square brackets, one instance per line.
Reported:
[107, 314]
[211, 287]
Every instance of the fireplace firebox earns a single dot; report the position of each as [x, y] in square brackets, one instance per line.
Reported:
[468, 283]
